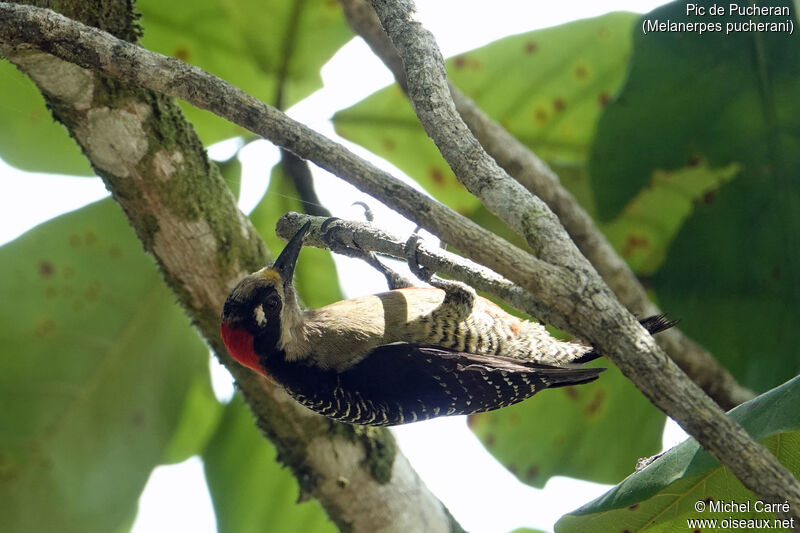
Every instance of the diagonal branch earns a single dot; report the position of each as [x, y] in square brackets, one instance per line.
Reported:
[588, 304]
[536, 176]
[561, 278]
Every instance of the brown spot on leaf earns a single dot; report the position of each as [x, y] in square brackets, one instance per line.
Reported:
[581, 72]
[595, 405]
[634, 243]
[540, 115]
[89, 238]
[74, 240]
[44, 327]
[709, 197]
[137, 419]
[513, 419]
[466, 61]
[559, 105]
[45, 268]
[7, 472]
[531, 47]
[694, 160]
[603, 99]
[570, 393]
[633, 507]
[388, 145]
[50, 293]
[490, 441]
[437, 176]
[532, 473]
[92, 291]
[181, 52]
[512, 468]
[114, 251]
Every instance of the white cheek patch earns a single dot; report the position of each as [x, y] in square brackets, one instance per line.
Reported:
[258, 313]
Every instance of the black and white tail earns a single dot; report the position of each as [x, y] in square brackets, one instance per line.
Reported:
[654, 324]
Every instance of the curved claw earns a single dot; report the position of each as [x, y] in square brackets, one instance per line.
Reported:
[368, 214]
[323, 229]
[411, 249]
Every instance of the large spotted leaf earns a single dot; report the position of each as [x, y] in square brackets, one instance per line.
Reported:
[547, 87]
[272, 49]
[711, 123]
[99, 367]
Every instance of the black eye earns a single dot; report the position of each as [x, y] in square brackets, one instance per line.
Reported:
[272, 304]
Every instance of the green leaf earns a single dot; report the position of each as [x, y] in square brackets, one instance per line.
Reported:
[197, 422]
[663, 496]
[250, 490]
[705, 104]
[28, 130]
[315, 274]
[271, 49]
[596, 432]
[97, 362]
[647, 226]
[547, 87]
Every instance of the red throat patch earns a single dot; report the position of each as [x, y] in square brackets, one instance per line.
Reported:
[240, 345]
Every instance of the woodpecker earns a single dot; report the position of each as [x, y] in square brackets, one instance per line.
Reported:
[396, 357]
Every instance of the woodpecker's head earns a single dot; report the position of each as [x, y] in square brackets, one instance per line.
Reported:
[261, 314]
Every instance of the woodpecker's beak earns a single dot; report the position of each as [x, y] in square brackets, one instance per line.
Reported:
[286, 262]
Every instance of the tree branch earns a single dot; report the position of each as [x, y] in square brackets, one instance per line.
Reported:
[536, 176]
[181, 210]
[587, 304]
[565, 282]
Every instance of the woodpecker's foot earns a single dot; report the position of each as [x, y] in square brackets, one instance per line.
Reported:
[411, 249]
[325, 231]
[395, 280]
[459, 297]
